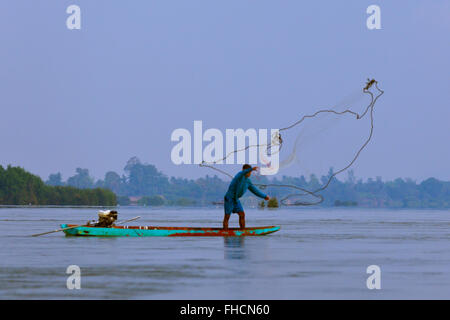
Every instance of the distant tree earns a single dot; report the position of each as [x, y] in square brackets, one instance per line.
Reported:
[330, 172]
[123, 200]
[351, 179]
[113, 181]
[55, 179]
[132, 162]
[432, 186]
[184, 202]
[81, 179]
[313, 182]
[272, 203]
[152, 201]
[144, 179]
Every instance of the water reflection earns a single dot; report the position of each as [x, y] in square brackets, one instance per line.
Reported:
[234, 248]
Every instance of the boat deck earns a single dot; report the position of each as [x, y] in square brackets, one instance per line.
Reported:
[149, 231]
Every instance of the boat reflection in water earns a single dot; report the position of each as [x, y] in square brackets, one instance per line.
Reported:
[234, 247]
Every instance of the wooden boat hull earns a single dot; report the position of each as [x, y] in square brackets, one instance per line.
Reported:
[149, 231]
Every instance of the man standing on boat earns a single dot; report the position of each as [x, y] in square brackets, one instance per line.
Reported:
[237, 188]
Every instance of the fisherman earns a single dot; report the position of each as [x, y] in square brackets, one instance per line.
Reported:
[237, 188]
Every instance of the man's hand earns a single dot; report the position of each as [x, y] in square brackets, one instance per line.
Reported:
[267, 198]
[255, 168]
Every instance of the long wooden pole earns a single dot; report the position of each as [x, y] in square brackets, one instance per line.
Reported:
[68, 228]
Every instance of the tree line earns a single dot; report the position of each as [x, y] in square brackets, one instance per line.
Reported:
[19, 187]
[155, 188]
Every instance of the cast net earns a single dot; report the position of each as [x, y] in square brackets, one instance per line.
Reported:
[313, 145]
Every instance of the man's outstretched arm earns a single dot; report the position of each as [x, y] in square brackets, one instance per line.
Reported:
[257, 192]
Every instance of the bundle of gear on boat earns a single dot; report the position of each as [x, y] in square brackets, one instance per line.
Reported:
[106, 219]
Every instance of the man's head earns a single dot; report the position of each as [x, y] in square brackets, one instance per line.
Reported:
[247, 166]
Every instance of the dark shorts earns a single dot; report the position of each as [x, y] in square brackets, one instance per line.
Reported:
[231, 207]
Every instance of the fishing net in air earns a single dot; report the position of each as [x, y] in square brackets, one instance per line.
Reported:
[332, 137]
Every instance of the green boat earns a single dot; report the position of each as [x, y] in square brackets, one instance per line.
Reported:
[149, 231]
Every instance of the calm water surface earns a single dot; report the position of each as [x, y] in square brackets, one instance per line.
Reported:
[316, 254]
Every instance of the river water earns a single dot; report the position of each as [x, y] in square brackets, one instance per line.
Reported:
[317, 254]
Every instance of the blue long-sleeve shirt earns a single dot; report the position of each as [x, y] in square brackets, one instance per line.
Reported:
[239, 186]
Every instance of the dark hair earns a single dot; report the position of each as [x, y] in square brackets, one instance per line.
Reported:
[246, 166]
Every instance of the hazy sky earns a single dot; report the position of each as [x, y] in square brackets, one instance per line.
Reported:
[137, 70]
